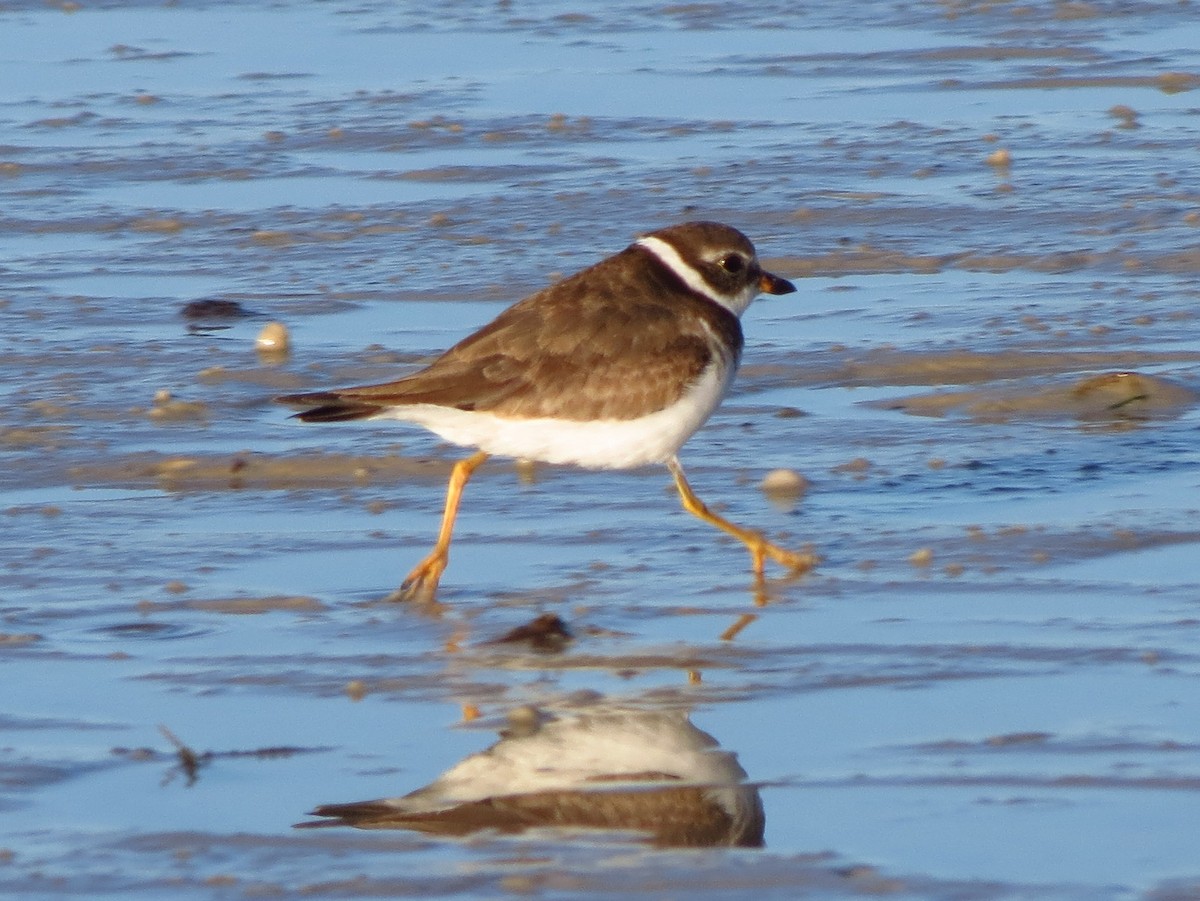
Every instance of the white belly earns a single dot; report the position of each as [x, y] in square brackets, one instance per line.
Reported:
[601, 444]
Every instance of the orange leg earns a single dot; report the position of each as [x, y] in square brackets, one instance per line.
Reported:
[755, 543]
[422, 582]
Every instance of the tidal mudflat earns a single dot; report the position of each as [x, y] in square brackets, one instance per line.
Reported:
[987, 383]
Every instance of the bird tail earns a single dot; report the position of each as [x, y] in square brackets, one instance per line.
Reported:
[329, 406]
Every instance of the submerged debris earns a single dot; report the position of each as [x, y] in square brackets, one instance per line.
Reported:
[189, 762]
[546, 632]
[214, 308]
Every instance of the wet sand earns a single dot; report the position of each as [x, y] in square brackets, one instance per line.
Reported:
[987, 385]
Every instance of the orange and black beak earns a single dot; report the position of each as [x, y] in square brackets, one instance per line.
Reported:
[773, 284]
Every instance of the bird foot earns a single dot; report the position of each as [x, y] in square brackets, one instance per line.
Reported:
[796, 563]
[421, 584]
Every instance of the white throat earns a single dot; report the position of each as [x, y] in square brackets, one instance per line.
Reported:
[670, 258]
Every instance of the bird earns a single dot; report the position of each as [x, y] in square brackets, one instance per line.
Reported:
[650, 772]
[614, 367]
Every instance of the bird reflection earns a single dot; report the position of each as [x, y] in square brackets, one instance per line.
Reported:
[649, 773]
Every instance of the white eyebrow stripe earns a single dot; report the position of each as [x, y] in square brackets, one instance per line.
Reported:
[670, 258]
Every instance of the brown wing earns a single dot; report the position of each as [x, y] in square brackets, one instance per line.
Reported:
[600, 346]
[672, 816]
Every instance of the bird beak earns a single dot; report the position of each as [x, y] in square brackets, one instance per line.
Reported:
[773, 284]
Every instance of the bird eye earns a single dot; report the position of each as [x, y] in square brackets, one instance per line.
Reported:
[732, 263]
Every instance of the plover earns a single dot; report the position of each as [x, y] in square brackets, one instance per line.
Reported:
[614, 367]
[648, 772]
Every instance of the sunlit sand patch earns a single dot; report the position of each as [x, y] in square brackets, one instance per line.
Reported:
[870, 259]
[886, 366]
[44, 436]
[1113, 395]
[1167, 82]
[18, 639]
[272, 378]
[238, 606]
[1012, 548]
[168, 408]
[236, 471]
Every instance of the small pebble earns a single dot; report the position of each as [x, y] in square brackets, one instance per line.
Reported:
[1000, 159]
[922, 557]
[274, 339]
[857, 467]
[1127, 115]
[785, 482]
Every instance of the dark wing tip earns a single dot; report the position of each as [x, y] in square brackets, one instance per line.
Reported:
[326, 406]
[361, 814]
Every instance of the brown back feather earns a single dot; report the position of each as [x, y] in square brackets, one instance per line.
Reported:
[591, 354]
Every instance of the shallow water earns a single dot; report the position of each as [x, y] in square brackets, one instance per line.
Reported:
[986, 687]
